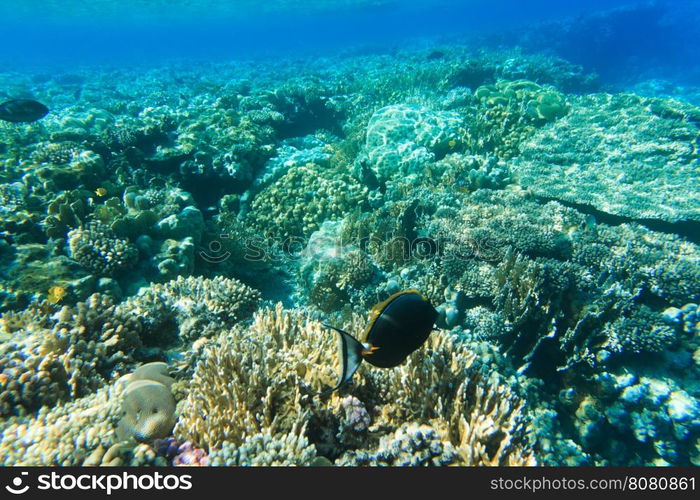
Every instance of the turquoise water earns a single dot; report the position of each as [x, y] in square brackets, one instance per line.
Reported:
[216, 183]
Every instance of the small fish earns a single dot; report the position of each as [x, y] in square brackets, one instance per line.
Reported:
[397, 327]
[22, 110]
[56, 294]
[100, 191]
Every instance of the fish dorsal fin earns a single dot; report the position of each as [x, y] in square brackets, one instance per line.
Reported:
[350, 356]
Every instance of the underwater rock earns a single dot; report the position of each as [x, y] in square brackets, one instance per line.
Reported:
[188, 223]
[175, 258]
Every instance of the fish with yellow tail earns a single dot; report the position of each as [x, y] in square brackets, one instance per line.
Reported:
[56, 294]
[397, 327]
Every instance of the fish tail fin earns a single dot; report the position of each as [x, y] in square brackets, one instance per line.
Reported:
[350, 356]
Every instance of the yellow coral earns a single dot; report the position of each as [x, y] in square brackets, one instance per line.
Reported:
[263, 377]
[267, 378]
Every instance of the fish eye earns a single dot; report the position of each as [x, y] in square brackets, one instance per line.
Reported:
[154, 411]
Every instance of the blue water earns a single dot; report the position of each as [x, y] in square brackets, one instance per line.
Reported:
[73, 31]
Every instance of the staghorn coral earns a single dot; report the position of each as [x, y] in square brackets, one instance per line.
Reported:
[266, 379]
[100, 251]
[255, 379]
[480, 417]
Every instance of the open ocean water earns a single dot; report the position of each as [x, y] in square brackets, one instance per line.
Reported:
[493, 207]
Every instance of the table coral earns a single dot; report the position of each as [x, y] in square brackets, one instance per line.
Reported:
[621, 154]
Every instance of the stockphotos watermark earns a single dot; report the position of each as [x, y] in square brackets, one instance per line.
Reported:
[270, 248]
[107, 483]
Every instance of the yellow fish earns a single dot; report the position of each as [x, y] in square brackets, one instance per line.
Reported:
[100, 191]
[56, 294]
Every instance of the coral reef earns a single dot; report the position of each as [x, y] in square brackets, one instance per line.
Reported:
[63, 434]
[233, 398]
[278, 210]
[192, 307]
[98, 250]
[402, 138]
[553, 229]
[57, 354]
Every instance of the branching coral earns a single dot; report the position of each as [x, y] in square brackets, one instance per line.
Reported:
[256, 379]
[65, 355]
[266, 379]
[64, 434]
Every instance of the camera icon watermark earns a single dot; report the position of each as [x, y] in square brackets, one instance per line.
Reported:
[16, 488]
[215, 252]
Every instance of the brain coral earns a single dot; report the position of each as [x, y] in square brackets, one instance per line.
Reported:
[148, 405]
[622, 154]
[402, 138]
[149, 411]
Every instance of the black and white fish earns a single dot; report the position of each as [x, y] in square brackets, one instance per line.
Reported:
[397, 327]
